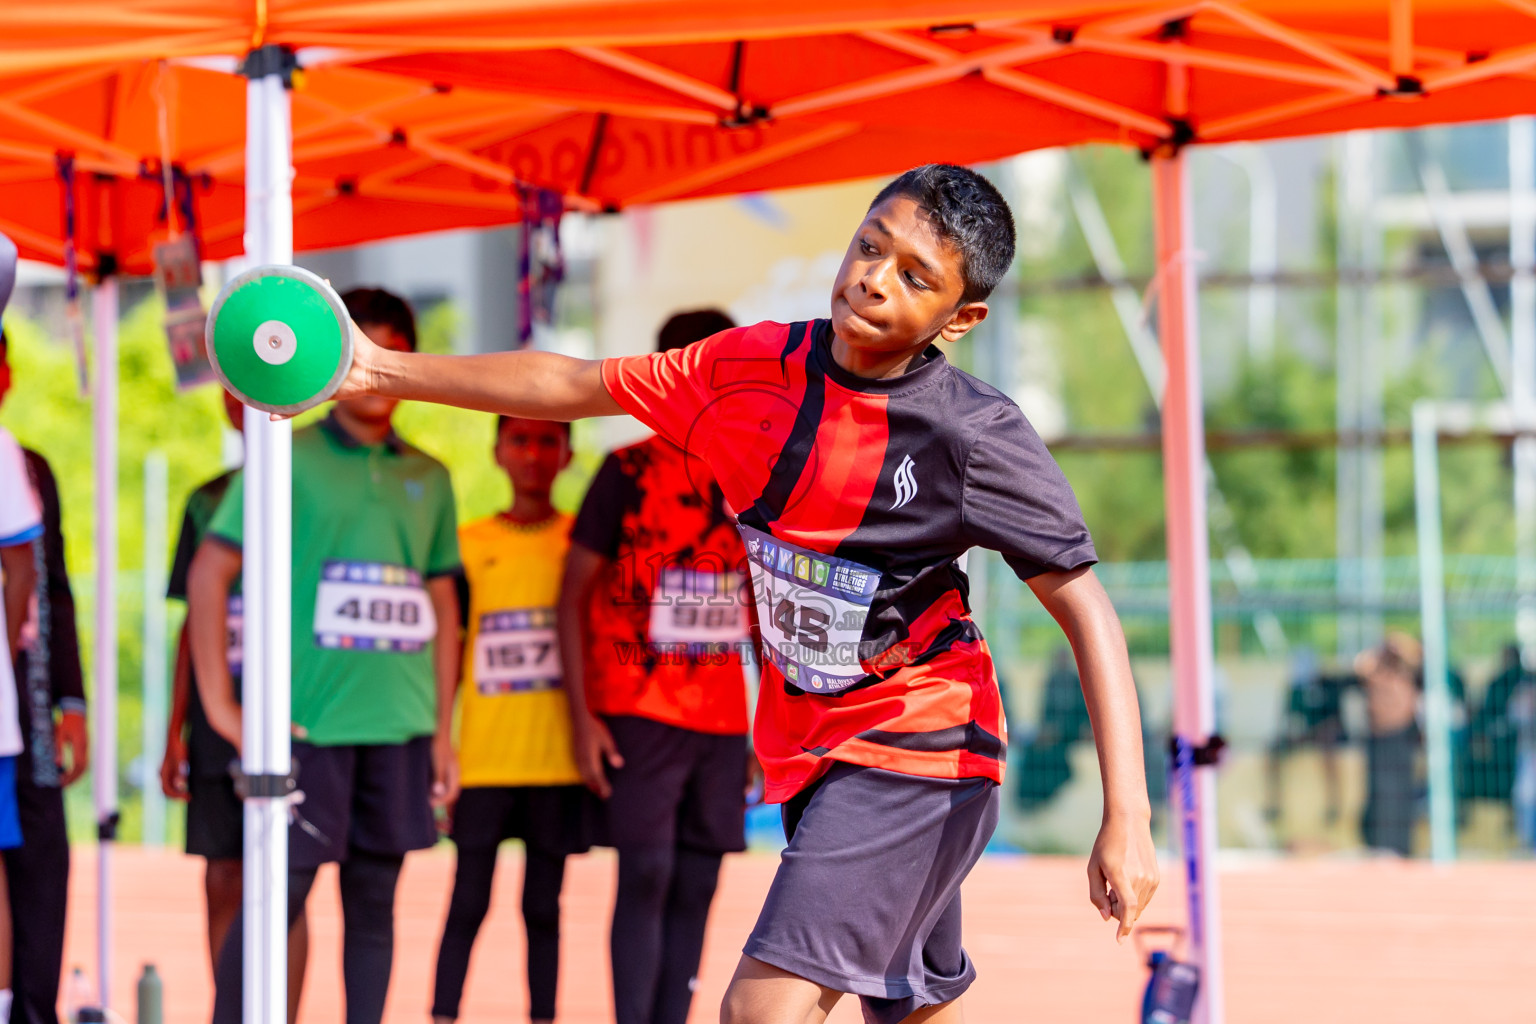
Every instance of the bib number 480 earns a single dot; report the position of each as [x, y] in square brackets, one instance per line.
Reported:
[407, 613]
[802, 623]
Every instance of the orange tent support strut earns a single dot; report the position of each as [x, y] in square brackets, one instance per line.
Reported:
[1189, 570]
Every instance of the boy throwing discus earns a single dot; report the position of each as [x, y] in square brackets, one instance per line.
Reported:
[860, 465]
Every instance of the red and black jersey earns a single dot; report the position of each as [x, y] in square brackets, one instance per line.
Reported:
[855, 498]
[669, 618]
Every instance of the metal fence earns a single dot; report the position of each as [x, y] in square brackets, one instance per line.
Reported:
[1303, 761]
[1316, 761]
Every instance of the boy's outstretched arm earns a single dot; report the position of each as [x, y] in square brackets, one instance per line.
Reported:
[534, 385]
[1122, 871]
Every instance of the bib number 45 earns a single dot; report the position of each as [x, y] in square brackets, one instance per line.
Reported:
[805, 624]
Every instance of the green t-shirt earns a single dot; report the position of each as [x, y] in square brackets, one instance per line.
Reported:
[371, 524]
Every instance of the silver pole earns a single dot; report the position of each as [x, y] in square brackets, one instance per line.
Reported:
[1352, 154]
[267, 572]
[1263, 244]
[1522, 343]
[1437, 695]
[1372, 374]
[154, 656]
[104, 700]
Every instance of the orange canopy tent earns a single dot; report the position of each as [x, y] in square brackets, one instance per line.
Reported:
[415, 116]
[631, 101]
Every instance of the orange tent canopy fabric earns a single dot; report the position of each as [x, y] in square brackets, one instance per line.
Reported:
[358, 176]
[417, 115]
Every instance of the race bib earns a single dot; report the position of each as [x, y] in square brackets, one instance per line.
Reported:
[234, 633]
[697, 613]
[370, 606]
[516, 652]
[811, 609]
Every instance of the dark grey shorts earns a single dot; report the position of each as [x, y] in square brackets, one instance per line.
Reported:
[215, 818]
[678, 787]
[557, 820]
[867, 897]
[373, 798]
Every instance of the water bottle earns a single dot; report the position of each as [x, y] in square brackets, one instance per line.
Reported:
[1170, 997]
[151, 996]
[78, 995]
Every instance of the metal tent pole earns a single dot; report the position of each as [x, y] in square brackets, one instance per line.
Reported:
[1522, 344]
[154, 654]
[1189, 571]
[267, 563]
[104, 699]
[1437, 696]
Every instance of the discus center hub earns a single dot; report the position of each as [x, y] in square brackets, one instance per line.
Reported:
[274, 342]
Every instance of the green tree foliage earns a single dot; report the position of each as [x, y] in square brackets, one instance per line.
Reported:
[46, 412]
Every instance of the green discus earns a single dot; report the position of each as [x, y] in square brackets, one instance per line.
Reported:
[279, 339]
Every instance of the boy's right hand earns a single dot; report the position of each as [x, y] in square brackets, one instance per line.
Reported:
[361, 376]
[595, 752]
[360, 379]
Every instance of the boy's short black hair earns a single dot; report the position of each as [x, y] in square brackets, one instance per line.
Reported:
[682, 329]
[380, 308]
[968, 211]
[502, 421]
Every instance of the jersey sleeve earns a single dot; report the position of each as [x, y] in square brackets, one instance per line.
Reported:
[181, 565]
[598, 523]
[228, 523]
[668, 390]
[1016, 500]
[444, 560]
[21, 521]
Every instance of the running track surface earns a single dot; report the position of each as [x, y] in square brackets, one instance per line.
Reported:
[1317, 941]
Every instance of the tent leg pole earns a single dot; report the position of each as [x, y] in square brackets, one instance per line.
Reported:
[1432, 618]
[267, 574]
[104, 700]
[1189, 574]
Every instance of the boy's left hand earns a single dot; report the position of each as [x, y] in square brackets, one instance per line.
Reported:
[445, 772]
[71, 737]
[1122, 870]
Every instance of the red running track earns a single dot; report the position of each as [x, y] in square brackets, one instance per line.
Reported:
[1326, 942]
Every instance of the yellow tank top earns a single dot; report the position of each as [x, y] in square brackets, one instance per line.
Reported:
[514, 723]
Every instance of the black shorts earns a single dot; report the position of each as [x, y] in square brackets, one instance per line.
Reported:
[867, 896]
[215, 817]
[557, 820]
[373, 798]
[678, 787]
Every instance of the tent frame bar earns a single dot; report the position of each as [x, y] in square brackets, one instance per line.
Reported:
[267, 576]
[1189, 569]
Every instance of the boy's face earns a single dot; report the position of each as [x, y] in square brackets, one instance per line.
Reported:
[900, 284]
[374, 409]
[532, 452]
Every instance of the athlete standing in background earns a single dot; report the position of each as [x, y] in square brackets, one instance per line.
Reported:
[198, 762]
[55, 754]
[375, 662]
[516, 759]
[653, 623]
[21, 523]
